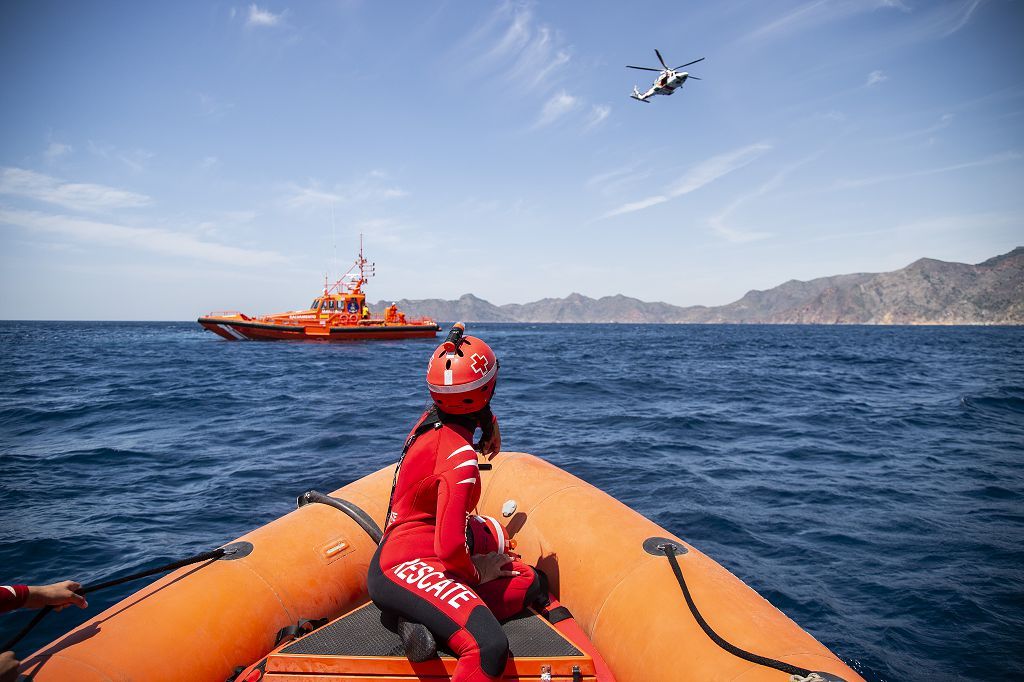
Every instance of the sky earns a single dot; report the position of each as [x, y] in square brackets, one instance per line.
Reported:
[161, 160]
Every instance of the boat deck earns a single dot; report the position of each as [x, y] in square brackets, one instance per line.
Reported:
[360, 646]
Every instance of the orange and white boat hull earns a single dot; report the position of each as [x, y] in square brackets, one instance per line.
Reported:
[237, 329]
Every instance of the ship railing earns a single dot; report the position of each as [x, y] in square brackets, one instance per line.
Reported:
[228, 313]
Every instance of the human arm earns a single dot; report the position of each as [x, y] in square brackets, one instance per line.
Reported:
[8, 666]
[12, 597]
[490, 566]
[490, 438]
[57, 595]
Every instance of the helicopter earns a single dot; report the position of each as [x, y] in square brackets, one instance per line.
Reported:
[666, 83]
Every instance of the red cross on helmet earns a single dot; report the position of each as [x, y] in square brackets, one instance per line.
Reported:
[461, 373]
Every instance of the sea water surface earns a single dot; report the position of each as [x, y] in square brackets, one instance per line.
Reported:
[865, 480]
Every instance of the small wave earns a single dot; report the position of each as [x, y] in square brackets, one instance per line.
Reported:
[1009, 400]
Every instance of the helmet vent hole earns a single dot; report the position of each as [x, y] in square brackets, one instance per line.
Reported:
[468, 401]
[447, 364]
[461, 354]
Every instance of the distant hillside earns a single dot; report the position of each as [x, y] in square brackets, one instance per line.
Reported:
[925, 292]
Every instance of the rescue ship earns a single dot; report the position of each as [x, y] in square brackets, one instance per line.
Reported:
[340, 313]
[288, 602]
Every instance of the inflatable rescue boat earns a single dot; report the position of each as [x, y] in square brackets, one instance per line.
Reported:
[288, 602]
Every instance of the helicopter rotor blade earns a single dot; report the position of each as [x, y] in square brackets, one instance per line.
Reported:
[696, 78]
[643, 68]
[661, 59]
[687, 64]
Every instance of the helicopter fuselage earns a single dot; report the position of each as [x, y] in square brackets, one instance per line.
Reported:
[667, 83]
[669, 80]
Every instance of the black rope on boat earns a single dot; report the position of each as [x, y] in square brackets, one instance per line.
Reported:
[86, 589]
[364, 520]
[670, 551]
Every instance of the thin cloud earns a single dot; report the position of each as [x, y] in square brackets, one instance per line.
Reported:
[385, 231]
[940, 20]
[530, 56]
[135, 160]
[875, 77]
[598, 114]
[971, 222]
[719, 223]
[612, 177]
[944, 122]
[55, 150]
[702, 174]
[937, 21]
[735, 236]
[213, 107]
[155, 240]
[959, 18]
[811, 15]
[555, 108]
[77, 196]
[988, 161]
[366, 190]
[262, 17]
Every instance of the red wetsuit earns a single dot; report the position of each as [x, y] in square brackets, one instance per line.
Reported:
[12, 597]
[423, 570]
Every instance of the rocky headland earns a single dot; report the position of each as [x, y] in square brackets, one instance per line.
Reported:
[927, 291]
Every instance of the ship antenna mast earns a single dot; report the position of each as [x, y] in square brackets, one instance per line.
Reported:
[334, 239]
[354, 284]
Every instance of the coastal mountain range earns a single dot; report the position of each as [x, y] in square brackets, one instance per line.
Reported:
[927, 291]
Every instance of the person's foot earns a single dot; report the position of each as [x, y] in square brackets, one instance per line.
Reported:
[418, 641]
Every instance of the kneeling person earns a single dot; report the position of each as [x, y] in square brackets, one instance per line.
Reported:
[424, 570]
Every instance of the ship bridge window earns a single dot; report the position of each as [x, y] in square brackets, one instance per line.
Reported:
[330, 304]
[315, 304]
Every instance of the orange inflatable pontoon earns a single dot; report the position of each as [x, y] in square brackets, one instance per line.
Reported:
[607, 564]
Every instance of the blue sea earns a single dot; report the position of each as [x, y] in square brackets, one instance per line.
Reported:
[868, 481]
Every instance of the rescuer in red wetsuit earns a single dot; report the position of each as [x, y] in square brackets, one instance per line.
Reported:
[424, 570]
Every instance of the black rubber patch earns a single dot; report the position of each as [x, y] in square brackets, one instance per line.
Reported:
[236, 550]
[360, 633]
[651, 546]
[558, 614]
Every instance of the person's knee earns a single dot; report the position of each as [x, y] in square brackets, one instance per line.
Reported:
[491, 640]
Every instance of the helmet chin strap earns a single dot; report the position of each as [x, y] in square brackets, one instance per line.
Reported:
[482, 417]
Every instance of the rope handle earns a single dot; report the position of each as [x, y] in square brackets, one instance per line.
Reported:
[796, 673]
